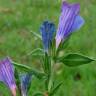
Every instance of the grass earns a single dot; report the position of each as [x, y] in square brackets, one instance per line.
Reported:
[18, 18]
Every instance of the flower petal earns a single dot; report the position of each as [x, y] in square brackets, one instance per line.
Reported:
[47, 30]
[7, 74]
[25, 83]
[64, 5]
[66, 21]
[79, 21]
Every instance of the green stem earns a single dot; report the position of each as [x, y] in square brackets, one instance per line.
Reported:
[51, 78]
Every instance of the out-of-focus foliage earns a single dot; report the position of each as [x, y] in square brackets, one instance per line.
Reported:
[20, 18]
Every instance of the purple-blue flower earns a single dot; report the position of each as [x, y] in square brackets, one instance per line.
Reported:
[47, 30]
[69, 21]
[25, 80]
[7, 74]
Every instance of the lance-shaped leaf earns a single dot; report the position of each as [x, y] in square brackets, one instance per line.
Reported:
[7, 74]
[16, 74]
[25, 83]
[38, 94]
[21, 67]
[55, 89]
[75, 60]
[38, 74]
[36, 35]
[25, 68]
[36, 52]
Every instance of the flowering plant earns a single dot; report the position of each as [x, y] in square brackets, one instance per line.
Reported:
[53, 43]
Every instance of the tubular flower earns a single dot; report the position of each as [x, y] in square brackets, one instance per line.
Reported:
[25, 83]
[7, 74]
[69, 21]
[47, 30]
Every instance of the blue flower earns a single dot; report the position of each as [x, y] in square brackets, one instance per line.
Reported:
[25, 83]
[47, 30]
[69, 21]
[7, 74]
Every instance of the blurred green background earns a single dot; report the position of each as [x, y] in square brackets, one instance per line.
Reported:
[19, 18]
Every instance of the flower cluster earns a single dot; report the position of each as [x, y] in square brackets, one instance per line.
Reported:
[69, 21]
[7, 76]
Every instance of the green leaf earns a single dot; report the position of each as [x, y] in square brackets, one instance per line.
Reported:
[75, 60]
[21, 67]
[38, 74]
[36, 35]
[4, 90]
[25, 68]
[55, 89]
[36, 52]
[16, 74]
[64, 44]
[38, 94]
